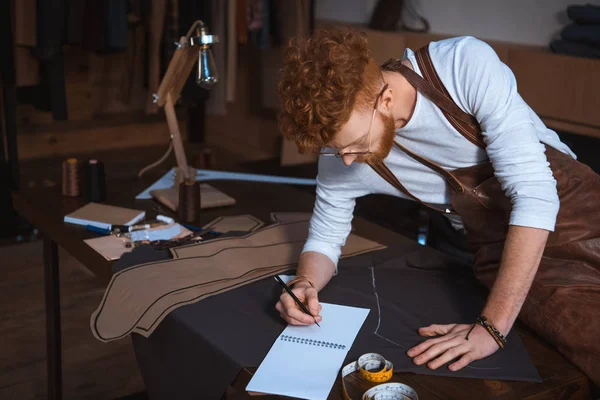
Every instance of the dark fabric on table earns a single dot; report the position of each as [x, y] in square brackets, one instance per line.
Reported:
[415, 291]
[200, 348]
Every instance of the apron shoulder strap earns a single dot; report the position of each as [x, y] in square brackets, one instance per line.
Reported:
[384, 171]
[431, 86]
[464, 123]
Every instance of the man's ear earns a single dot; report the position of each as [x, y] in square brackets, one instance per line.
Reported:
[386, 101]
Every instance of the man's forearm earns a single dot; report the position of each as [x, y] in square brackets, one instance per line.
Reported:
[523, 251]
[317, 267]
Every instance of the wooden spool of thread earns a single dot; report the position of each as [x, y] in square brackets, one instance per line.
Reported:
[71, 178]
[189, 201]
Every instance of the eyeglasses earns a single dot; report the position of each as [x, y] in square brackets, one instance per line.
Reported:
[339, 154]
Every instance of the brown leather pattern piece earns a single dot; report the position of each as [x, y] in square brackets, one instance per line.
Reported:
[137, 299]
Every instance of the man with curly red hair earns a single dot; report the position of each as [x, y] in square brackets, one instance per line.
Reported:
[338, 102]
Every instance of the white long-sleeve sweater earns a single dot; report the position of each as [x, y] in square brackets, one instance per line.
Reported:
[482, 86]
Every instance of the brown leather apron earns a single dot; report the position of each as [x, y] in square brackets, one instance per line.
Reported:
[563, 304]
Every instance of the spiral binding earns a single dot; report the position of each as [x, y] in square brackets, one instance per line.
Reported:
[310, 342]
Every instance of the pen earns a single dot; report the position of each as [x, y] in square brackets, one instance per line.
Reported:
[193, 228]
[132, 228]
[300, 304]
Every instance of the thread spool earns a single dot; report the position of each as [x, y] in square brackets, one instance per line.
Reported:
[189, 201]
[71, 178]
[94, 181]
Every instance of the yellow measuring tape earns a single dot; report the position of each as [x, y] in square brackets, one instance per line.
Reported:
[374, 368]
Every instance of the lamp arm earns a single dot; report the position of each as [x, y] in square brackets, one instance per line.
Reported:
[176, 138]
[198, 24]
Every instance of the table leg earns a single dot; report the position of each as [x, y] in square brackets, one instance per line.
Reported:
[53, 330]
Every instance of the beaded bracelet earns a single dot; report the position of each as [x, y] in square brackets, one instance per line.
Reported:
[494, 333]
[300, 278]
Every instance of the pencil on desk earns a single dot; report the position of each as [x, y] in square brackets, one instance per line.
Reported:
[300, 304]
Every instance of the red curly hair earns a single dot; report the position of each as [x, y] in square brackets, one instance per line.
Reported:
[323, 78]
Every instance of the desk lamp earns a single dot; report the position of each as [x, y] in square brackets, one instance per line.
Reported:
[195, 46]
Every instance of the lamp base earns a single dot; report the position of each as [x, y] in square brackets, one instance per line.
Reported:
[210, 197]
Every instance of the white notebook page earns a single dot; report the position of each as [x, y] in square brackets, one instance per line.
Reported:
[304, 361]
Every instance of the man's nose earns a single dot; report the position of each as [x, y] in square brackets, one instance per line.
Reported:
[348, 159]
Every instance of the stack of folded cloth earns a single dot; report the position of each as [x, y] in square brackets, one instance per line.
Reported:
[582, 36]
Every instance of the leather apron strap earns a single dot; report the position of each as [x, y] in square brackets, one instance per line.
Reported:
[432, 87]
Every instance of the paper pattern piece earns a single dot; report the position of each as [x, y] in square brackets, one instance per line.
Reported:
[290, 216]
[109, 247]
[138, 298]
[210, 197]
[112, 247]
[202, 175]
[304, 361]
[295, 232]
[240, 223]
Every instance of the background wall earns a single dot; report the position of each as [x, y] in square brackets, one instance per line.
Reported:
[534, 22]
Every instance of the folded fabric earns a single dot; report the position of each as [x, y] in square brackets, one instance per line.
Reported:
[575, 49]
[586, 34]
[586, 14]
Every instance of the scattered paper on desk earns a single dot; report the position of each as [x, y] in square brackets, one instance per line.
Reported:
[166, 232]
[304, 361]
[104, 216]
[110, 247]
[166, 181]
[287, 278]
[229, 223]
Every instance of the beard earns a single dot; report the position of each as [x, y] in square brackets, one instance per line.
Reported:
[386, 142]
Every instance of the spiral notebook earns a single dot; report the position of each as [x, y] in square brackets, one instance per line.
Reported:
[304, 361]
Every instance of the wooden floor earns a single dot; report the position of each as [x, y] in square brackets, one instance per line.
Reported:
[92, 369]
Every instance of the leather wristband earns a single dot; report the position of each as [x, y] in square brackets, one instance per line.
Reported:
[494, 333]
[300, 278]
